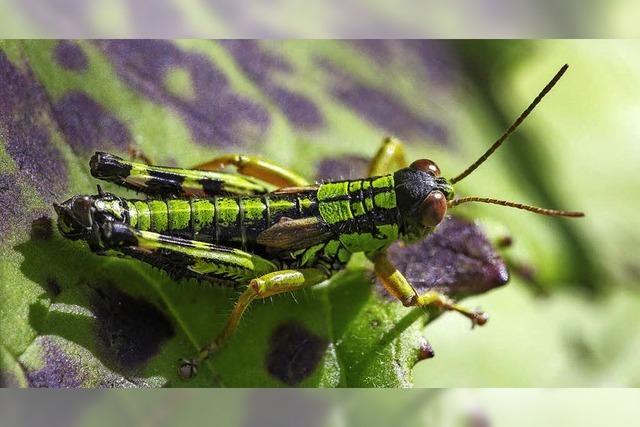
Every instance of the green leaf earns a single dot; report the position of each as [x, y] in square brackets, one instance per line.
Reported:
[82, 320]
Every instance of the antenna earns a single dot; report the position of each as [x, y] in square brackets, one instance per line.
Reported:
[513, 127]
[535, 209]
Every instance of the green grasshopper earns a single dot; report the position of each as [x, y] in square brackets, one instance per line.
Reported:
[266, 229]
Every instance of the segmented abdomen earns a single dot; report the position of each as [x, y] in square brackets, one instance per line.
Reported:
[218, 219]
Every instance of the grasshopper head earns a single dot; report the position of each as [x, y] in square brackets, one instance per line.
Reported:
[79, 217]
[75, 217]
[422, 196]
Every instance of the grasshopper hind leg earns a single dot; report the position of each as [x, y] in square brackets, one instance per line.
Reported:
[169, 181]
[261, 287]
[182, 257]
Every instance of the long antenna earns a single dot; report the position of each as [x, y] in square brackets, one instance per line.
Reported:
[513, 127]
[535, 209]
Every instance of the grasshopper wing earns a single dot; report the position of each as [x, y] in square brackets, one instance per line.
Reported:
[294, 234]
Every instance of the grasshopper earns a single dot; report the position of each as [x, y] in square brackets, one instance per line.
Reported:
[268, 230]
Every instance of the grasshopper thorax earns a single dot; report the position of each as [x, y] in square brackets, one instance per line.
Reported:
[422, 196]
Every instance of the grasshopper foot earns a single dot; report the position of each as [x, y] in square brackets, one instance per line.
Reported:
[188, 368]
[478, 318]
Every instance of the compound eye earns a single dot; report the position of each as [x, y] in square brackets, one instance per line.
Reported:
[82, 210]
[426, 165]
[433, 209]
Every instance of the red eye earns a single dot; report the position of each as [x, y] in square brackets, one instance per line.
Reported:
[433, 209]
[427, 166]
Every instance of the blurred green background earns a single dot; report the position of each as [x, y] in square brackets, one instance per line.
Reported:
[568, 320]
[583, 145]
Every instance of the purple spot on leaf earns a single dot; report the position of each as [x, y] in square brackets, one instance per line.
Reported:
[301, 111]
[23, 106]
[216, 116]
[383, 109]
[456, 259]
[436, 58]
[68, 54]
[256, 62]
[87, 126]
[379, 50]
[59, 370]
[345, 167]
[130, 330]
[294, 352]
[10, 204]
[260, 66]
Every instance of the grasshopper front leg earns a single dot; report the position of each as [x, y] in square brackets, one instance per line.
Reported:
[397, 285]
[262, 287]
